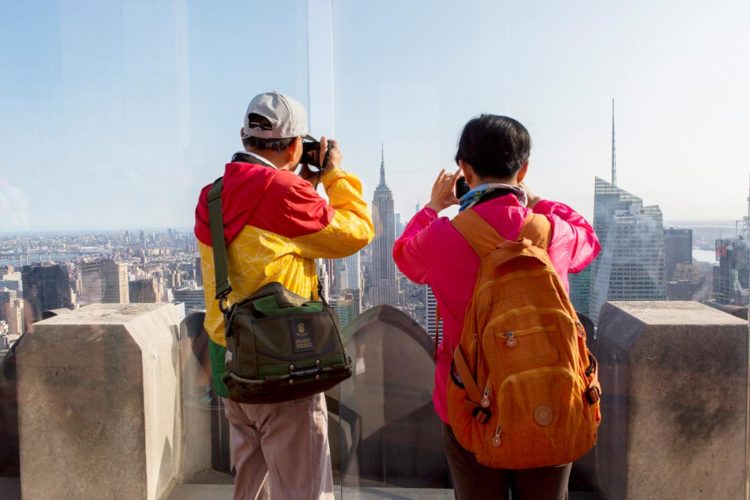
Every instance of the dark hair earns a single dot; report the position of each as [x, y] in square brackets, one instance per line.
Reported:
[494, 146]
[266, 144]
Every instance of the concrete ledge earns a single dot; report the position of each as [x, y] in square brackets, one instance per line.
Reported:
[99, 412]
[675, 402]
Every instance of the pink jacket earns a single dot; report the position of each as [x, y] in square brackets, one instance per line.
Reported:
[431, 251]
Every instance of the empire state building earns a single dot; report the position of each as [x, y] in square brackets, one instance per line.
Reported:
[383, 280]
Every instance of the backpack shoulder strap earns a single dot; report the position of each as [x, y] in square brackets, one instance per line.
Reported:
[536, 228]
[477, 232]
[483, 238]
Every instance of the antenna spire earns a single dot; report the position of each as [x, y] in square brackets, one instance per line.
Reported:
[382, 165]
[614, 161]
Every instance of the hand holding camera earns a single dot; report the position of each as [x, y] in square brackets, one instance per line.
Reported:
[443, 191]
[319, 157]
[531, 198]
[462, 187]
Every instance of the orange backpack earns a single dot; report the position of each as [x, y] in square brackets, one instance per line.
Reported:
[523, 390]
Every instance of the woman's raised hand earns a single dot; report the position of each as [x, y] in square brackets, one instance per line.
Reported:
[443, 191]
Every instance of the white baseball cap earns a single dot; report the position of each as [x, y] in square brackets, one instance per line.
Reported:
[272, 115]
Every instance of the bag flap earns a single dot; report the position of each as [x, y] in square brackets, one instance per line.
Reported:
[276, 294]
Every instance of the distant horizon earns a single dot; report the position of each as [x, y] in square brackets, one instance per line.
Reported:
[66, 232]
[676, 223]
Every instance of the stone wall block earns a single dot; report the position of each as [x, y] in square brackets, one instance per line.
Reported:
[99, 412]
[675, 402]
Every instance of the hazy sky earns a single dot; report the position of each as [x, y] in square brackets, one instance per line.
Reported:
[113, 114]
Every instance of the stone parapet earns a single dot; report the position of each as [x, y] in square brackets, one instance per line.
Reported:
[675, 402]
[99, 408]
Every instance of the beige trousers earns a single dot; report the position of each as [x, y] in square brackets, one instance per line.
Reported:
[281, 450]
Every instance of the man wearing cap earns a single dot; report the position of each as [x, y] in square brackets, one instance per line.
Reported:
[275, 225]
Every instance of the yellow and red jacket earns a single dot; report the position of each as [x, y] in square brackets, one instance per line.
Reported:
[275, 225]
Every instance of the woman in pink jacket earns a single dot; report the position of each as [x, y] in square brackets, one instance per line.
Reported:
[493, 154]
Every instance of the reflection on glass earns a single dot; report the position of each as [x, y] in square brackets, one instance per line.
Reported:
[390, 434]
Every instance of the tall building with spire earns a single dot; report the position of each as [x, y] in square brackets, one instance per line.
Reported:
[580, 284]
[631, 263]
[383, 289]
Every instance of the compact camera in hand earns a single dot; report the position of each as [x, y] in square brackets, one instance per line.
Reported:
[311, 153]
[462, 187]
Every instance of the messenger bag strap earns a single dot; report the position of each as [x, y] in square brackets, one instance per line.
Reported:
[218, 243]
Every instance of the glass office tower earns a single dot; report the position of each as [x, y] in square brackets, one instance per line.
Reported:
[631, 263]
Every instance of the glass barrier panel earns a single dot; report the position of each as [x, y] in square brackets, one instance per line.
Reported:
[115, 116]
[616, 152]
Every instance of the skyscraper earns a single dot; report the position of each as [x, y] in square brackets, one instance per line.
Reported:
[580, 290]
[145, 291]
[383, 278]
[46, 287]
[431, 314]
[731, 277]
[10, 278]
[193, 298]
[631, 263]
[678, 249]
[353, 272]
[11, 310]
[105, 281]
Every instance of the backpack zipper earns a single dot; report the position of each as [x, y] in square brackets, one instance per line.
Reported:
[526, 309]
[485, 402]
[511, 338]
[536, 371]
[511, 276]
[496, 441]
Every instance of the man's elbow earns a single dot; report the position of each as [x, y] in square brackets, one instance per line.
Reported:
[352, 240]
[364, 237]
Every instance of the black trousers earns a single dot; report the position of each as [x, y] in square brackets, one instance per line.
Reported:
[474, 481]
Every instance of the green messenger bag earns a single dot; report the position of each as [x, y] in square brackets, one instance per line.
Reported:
[280, 346]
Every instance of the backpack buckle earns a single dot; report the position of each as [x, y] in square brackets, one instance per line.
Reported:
[593, 395]
[482, 415]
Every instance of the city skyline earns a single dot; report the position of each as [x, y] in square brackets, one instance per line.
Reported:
[135, 124]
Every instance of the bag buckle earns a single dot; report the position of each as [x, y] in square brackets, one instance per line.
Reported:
[223, 304]
[593, 395]
[482, 415]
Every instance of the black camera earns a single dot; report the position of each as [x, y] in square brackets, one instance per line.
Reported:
[462, 187]
[311, 153]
